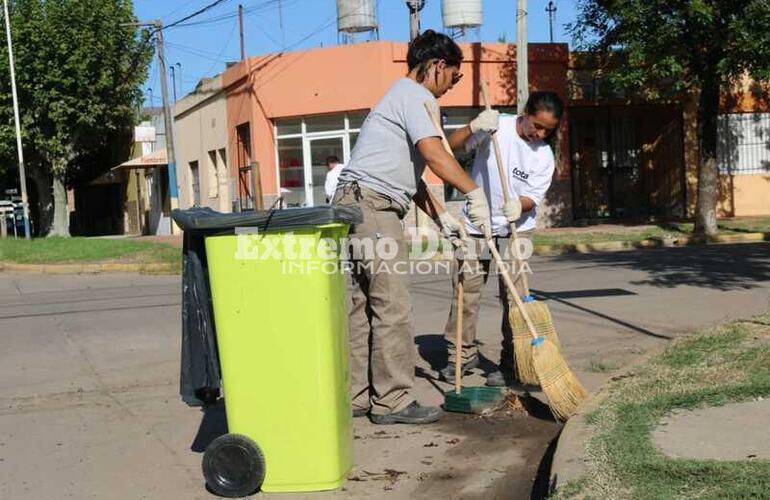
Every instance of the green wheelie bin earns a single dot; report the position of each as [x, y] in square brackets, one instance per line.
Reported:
[280, 312]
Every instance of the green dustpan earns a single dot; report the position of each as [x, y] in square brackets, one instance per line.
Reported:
[473, 399]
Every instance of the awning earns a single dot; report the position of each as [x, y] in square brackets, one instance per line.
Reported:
[150, 160]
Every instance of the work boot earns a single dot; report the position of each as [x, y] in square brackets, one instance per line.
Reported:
[448, 373]
[412, 414]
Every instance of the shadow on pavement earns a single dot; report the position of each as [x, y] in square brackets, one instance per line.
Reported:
[213, 424]
[721, 267]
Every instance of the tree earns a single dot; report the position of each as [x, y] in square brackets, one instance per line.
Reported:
[695, 46]
[79, 73]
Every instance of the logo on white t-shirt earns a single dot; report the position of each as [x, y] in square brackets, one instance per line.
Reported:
[520, 174]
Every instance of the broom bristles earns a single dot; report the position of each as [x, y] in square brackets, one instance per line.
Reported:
[560, 385]
[522, 346]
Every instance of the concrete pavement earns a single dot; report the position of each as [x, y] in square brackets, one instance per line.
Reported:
[89, 376]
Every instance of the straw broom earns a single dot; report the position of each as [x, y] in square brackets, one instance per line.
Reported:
[539, 313]
[560, 385]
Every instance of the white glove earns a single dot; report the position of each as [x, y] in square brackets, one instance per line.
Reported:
[487, 121]
[478, 211]
[512, 210]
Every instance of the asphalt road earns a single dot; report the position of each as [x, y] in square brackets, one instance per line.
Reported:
[89, 375]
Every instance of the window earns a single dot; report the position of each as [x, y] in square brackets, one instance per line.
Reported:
[212, 174]
[195, 191]
[743, 146]
[291, 168]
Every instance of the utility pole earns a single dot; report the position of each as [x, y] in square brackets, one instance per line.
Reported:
[240, 23]
[181, 82]
[173, 80]
[551, 9]
[22, 171]
[173, 189]
[415, 6]
[522, 62]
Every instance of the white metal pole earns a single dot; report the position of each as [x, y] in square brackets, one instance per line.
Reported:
[22, 173]
[522, 61]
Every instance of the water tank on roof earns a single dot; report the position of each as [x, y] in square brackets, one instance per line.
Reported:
[355, 16]
[461, 13]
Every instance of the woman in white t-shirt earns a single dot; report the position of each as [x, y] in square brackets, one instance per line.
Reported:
[528, 162]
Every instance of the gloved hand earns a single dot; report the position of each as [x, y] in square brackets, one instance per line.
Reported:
[512, 210]
[478, 211]
[486, 121]
[452, 230]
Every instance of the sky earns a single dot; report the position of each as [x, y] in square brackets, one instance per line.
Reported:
[212, 39]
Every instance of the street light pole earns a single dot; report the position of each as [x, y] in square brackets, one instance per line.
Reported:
[22, 172]
[173, 80]
[551, 9]
[181, 82]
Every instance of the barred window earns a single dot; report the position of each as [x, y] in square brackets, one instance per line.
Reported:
[743, 145]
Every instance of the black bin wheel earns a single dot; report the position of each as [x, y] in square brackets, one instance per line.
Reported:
[233, 466]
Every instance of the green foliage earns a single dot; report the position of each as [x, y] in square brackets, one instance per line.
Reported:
[79, 74]
[677, 45]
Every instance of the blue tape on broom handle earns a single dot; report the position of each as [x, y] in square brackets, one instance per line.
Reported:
[528, 298]
[537, 341]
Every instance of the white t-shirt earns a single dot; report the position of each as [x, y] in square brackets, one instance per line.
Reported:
[330, 185]
[529, 166]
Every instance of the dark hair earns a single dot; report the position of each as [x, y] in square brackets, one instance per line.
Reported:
[430, 46]
[332, 159]
[545, 100]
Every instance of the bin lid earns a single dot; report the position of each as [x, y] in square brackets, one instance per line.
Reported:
[209, 220]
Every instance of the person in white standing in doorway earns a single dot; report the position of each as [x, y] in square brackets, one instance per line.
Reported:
[528, 162]
[335, 166]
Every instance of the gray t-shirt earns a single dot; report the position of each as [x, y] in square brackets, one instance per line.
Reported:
[385, 158]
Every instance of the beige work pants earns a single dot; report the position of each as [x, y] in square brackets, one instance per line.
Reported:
[382, 350]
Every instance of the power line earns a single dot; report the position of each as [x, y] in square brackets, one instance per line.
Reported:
[224, 48]
[196, 13]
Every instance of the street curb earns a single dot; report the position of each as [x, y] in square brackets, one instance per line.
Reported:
[115, 267]
[569, 458]
[618, 246]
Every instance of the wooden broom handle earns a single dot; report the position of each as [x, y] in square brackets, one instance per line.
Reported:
[459, 333]
[491, 244]
[506, 195]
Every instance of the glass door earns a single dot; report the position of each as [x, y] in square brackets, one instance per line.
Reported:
[315, 166]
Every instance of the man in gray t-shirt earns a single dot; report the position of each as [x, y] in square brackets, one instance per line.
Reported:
[385, 158]
[396, 141]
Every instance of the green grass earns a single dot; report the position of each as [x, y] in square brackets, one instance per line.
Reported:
[729, 363]
[81, 250]
[636, 234]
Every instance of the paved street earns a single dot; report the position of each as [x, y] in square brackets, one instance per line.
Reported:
[89, 376]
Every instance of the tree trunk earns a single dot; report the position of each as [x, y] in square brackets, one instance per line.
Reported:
[61, 217]
[708, 172]
[42, 180]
